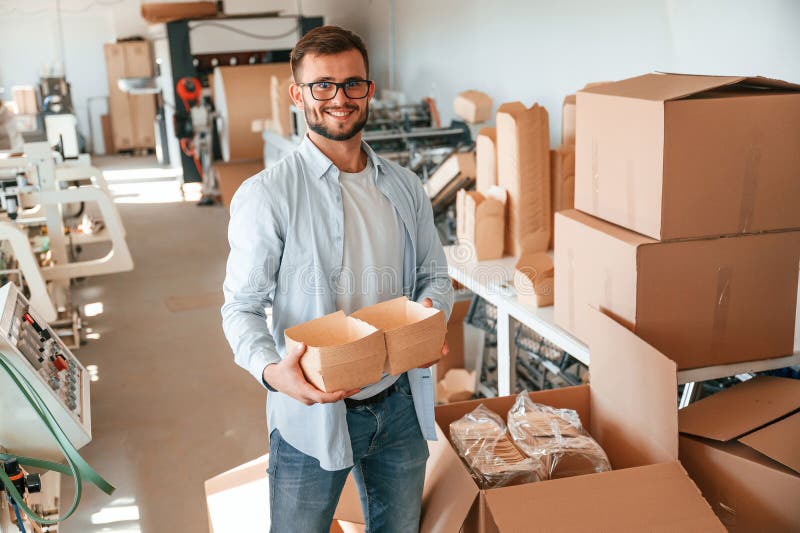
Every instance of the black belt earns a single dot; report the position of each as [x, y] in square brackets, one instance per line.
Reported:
[372, 400]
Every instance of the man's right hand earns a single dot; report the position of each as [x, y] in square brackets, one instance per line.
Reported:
[287, 377]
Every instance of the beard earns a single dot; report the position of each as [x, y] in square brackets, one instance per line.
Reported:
[316, 123]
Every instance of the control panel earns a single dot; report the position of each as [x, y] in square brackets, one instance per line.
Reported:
[52, 370]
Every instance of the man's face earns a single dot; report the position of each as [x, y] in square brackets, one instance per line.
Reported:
[341, 118]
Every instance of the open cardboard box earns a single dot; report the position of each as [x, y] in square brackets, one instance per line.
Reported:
[681, 156]
[742, 448]
[414, 334]
[457, 385]
[342, 352]
[701, 302]
[630, 409]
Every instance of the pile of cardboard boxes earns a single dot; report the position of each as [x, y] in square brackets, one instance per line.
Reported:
[687, 233]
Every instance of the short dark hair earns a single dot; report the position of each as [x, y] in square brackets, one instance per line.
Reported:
[326, 40]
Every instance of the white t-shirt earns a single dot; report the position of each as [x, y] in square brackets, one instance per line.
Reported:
[374, 244]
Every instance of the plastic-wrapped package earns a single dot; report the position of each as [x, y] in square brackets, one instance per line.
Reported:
[556, 438]
[481, 439]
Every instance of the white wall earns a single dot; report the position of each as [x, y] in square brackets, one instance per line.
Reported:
[540, 50]
[534, 50]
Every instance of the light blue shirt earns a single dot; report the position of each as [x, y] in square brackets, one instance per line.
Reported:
[286, 235]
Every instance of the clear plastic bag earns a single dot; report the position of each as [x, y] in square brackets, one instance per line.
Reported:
[556, 438]
[481, 439]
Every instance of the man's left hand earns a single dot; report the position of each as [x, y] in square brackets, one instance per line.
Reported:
[427, 302]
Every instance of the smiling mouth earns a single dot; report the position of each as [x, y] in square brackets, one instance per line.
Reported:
[340, 113]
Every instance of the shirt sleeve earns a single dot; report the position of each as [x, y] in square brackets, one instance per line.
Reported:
[433, 281]
[256, 246]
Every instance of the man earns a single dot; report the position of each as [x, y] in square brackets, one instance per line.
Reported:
[308, 237]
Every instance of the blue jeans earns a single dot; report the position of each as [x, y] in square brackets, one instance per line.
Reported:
[389, 454]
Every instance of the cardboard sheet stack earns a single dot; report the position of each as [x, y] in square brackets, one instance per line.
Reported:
[686, 232]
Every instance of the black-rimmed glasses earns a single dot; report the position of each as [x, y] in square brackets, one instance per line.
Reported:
[327, 90]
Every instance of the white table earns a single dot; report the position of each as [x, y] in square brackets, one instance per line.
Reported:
[493, 281]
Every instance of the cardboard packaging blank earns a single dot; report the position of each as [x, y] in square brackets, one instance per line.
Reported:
[700, 302]
[473, 106]
[523, 169]
[454, 338]
[459, 165]
[480, 221]
[414, 334]
[562, 179]
[743, 451]
[342, 352]
[230, 176]
[677, 156]
[486, 159]
[648, 490]
[158, 12]
[568, 120]
[534, 279]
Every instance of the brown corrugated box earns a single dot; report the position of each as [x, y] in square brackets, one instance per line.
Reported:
[342, 352]
[157, 12]
[678, 156]
[473, 106]
[231, 175]
[647, 491]
[742, 448]
[132, 117]
[480, 221]
[701, 302]
[486, 159]
[523, 169]
[533, 279]
[414, 334]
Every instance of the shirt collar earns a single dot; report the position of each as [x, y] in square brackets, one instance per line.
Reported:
[319, 162]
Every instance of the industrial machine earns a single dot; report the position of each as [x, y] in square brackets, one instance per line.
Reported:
[191, 51]
[45, 413]
[46, 199]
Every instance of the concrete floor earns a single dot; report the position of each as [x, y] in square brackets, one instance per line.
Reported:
[170, 408]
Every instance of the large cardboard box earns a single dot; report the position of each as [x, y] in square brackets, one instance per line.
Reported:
[743, 451]
[677, 156]
[230, 176]
[700, 302]
[486, 159]
[523, 169]
[648, 490]
[414, 334]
